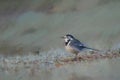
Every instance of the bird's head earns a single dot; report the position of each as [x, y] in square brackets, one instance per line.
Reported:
[68, 37]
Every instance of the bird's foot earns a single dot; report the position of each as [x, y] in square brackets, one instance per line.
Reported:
[74, 59]
[77, 59]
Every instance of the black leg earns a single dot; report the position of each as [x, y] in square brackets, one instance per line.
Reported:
[78, 58]
[75, 58]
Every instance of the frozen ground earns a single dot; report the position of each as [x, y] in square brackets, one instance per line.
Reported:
[50, 66]
[27, 27]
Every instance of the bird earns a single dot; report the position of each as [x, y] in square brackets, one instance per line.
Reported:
[74, 46]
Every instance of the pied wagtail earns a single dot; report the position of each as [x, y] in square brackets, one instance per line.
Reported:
[74, 46]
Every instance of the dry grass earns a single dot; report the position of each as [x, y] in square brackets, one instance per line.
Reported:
[25, 25]
[40, 67]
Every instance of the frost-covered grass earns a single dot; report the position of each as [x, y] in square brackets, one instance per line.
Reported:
[28, 25]
[44, 58]
[48, 66]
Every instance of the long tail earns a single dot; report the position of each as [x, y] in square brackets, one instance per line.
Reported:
[92, 49]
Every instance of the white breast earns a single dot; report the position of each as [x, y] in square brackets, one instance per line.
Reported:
[71, 50]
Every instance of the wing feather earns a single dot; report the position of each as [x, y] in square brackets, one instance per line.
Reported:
[77, 45]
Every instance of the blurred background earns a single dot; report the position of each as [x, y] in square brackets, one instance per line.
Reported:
[35, 26]
[29, 25]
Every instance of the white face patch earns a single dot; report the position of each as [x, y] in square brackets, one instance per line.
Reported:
[66, 39]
